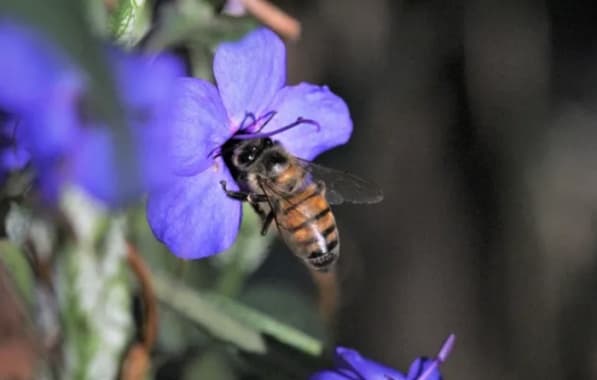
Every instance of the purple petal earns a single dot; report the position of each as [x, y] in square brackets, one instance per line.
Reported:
[249, 72]
[193, 216]
[53, 125]
[12, 155]
[335, 375]
[149, 90]
[40, 86]
[29, 67]
[14, 158]
[145, 80]
[198, 125]
[419, 366]
[50, 178]
[350, 359]
[315, 103]
[96, 168]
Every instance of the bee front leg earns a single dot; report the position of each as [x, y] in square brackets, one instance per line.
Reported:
[243, 195]
[269, 218]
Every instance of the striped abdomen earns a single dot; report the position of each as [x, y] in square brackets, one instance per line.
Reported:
[307, 224]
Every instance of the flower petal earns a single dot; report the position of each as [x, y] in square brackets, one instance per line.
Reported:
[335, 375]
[95, 166]
[12, 155]
[198, 126]
[193, 216]
[419, 366]
[29, 67]
[145, 80]
[350, 359]
[52, 127]
[249, 72]
[316, 103]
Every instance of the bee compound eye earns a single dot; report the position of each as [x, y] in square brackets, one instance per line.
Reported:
[246, 158]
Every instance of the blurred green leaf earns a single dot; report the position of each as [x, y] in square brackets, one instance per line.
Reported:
[178, 333]
[18, 268]
[196, 23]
[230, 321]
[93, 292]
[211, 364]
[207, 316]
[284, 303]
[130, 21]
[97, 14]
[267, 325]
[18, 223]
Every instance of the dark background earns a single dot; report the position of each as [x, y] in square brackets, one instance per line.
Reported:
[478, 120]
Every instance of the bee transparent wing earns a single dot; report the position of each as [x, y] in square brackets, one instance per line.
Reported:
[343, 186]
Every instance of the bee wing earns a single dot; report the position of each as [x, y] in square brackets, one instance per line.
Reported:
[342, 186]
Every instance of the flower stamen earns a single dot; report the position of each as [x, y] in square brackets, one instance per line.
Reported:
[299, 121]
[440, 358]
[268, 116]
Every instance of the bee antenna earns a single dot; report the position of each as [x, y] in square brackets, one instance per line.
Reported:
[299, 121]
[440, 358]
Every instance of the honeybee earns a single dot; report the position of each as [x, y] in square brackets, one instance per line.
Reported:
[297, 195]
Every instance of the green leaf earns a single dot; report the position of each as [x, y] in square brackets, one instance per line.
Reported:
[211, 364]
[18, 223]
[18, 268]
[284, 302]
[196, 23]
[207, 316]
[130, 21]
[268, 325]
[93, 291]
[230, 321]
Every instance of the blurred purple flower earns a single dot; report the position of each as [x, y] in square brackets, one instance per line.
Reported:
[60, 130]
[193, 216]
[12, 155]
[350, 365]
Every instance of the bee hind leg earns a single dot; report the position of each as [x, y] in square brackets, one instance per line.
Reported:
[243, 195]
[267, 221]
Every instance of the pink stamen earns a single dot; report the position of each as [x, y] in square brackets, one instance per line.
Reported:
[440, 358]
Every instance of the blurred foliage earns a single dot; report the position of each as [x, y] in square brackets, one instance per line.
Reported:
[18, 267]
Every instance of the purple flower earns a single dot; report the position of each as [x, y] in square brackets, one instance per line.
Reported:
[60, 129]
[12, 155]
[350, 365]
[193, 216]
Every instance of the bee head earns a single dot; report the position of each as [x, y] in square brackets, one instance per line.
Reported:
[246, 152]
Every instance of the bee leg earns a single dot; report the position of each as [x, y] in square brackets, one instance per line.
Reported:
[243, 195]
[267, 221]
